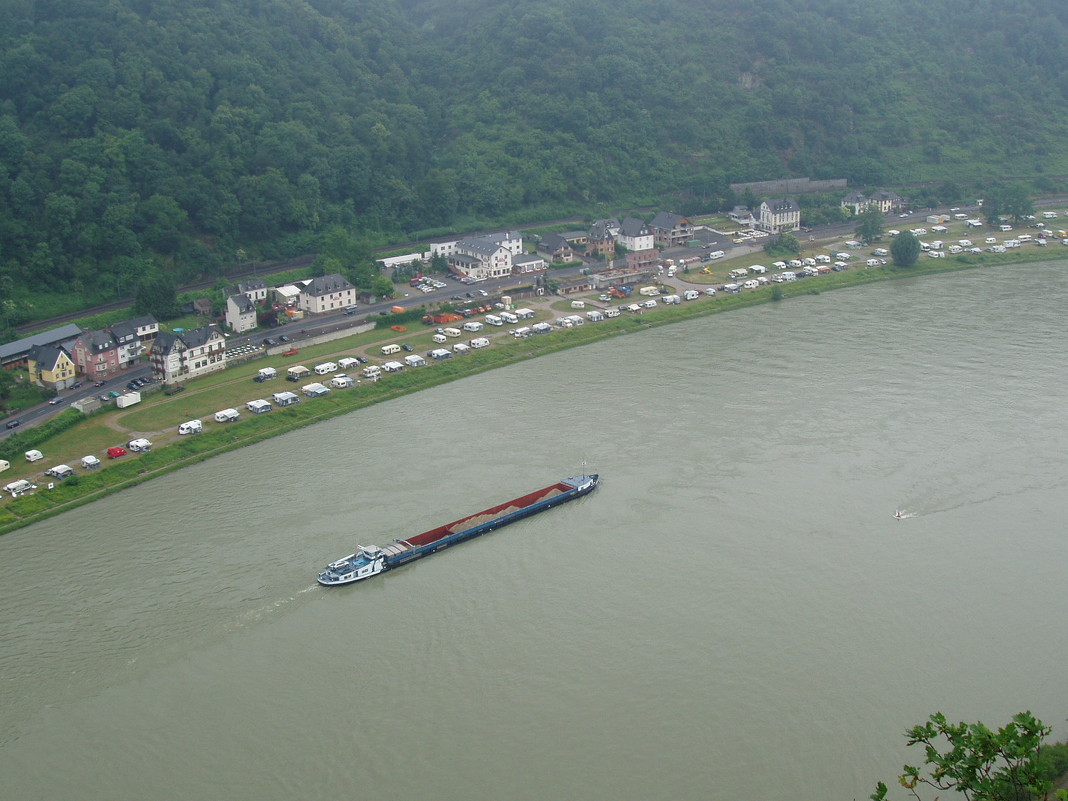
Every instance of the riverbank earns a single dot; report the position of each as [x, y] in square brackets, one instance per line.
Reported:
[119, 475]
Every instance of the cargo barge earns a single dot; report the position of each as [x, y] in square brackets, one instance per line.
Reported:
[370, 560]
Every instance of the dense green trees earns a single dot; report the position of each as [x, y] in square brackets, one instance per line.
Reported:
[178, 131]
[905, 249]
[870, 224]
[978, 762]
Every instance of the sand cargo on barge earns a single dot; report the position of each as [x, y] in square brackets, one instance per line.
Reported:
[370, 560]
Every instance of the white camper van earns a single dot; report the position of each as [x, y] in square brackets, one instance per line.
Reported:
[191, 427]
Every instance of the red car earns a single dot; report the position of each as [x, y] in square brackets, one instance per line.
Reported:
[115, 453]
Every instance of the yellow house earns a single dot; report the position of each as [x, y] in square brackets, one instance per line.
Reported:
[51, 367]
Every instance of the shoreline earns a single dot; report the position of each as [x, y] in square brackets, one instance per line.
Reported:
[20, 512]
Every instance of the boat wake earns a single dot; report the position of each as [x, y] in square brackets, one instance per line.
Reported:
[902, 514]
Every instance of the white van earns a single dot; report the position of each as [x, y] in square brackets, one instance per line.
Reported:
[139, 445]
[479, 342]
[227, 416]
[508, 317]
[191, 427]
[716, 254]
[493, 319]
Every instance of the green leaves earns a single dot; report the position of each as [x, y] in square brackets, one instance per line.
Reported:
[974, 760]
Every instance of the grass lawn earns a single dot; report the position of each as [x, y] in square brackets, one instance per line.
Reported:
[158, 416]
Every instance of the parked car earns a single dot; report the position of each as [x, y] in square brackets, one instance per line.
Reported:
[99, 383]
[54, 401]
[116, 452]
[269, 342]
[13, 423]
[284, 338]
[406, 347]
[76, 385]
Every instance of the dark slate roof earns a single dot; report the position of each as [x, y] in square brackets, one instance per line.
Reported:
[666, 220]
[883, 194]
[783, 204]
[855, 197]
[198, 337]
[604, 229]
[20, 346]
[252, 285]
[46, 356]
[553, 242]
[632, 226]
[167, 342]
[98, 341]
[244, 305]
[480, 244]
[326, 284]
[501, 237]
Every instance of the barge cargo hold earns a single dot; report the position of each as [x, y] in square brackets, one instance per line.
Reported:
[371, 560]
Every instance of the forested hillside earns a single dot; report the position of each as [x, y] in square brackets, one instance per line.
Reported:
[181, 135]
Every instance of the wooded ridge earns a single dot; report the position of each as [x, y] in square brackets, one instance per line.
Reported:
[171, 137]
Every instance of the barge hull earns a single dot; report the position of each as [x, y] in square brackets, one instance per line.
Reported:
[401, 552]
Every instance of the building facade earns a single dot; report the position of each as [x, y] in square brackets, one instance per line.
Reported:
[777, 216]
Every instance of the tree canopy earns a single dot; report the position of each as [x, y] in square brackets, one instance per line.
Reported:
[978, 762]
[180, 133]
[905, 249]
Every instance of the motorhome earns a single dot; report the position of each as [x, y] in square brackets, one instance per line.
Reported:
[493, 319]
[479, 342]
[227, 416]
[691, 294]
[191, 427]
[139, 445]
[508, 317]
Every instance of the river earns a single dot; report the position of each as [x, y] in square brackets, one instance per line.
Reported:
[734, 614]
